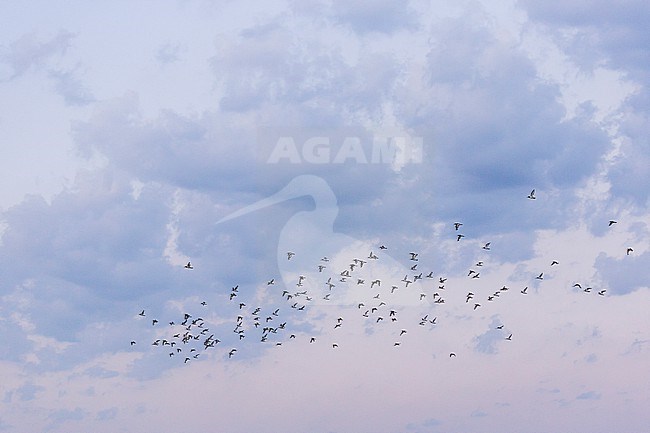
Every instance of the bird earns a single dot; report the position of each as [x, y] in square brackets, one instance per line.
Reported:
[531, 196]
[555, 262]
[457, 225]
[231, 353]
[602, 292]
[189, 266]
[141, 313]
[290, 254]
[525, 290]
[611, 223]
[452, 354]
[540, 276]
[459, 237]
[509, 337]
[486, 246]
[270, 282]
[132, 343]
[629, 250]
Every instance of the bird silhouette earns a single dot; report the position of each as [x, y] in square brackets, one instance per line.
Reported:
[531, 196]
[189, 266]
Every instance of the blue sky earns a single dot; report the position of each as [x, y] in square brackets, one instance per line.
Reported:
[136, 138]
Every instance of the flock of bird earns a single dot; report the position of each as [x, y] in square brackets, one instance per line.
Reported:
[375, 300]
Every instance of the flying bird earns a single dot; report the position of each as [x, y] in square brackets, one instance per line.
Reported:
[189, 266]
[611, 223]
[457, 225]
[629, 250]
[531, 196]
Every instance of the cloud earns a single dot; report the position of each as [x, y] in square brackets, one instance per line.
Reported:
[27, 52]
[71, 88]
[589, 395]
[385, 16]
[623, 275]
[601, 35]
[596, 32]
[487, 342]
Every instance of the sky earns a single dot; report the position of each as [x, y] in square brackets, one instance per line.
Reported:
[239, 216]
